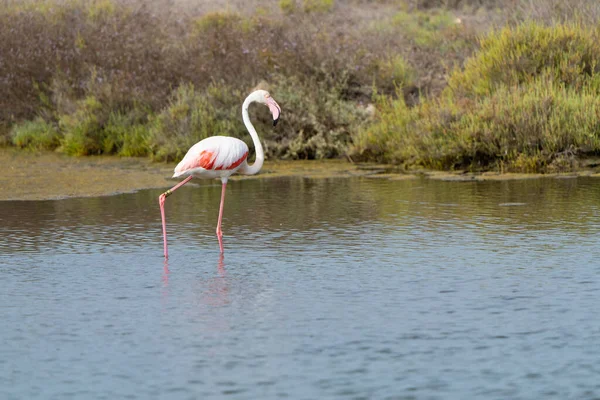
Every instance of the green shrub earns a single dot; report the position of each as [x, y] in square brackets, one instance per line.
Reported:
[287, 6]
[83, 129]
[387, 134]
[317, 6]
[521, 128]
[126, 134]
[37, 134]
[527, 101]
[316, 121]
[394, 72]
[570, 55]
[535, 121]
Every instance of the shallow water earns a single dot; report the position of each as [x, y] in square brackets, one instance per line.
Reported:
[330, 288]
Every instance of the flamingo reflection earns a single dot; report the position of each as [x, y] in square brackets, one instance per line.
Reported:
[213, 292]
[217, 288]
[165, 282]
[165, 277]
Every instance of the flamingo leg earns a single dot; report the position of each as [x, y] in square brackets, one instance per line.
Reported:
[161, 201]
[219, 231]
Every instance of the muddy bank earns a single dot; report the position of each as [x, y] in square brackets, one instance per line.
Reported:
[462, 176]
[46, 175]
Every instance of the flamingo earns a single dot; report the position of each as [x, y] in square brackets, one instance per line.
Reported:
[221, 157]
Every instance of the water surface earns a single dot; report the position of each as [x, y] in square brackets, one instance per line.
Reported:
[330, 288]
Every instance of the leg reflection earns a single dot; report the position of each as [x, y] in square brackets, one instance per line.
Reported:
[217, 288]
[221, 265]
[165, 277]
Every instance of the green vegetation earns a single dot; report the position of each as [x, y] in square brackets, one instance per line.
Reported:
[455, 83]
[36, 135]
[567, 54]
[425, 28]
[528, 101]
[308, 6]
[287, 6]
[317, 5]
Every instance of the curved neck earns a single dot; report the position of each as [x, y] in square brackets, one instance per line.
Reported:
[260, 155]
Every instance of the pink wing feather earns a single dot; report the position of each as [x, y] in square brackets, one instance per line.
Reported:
[214, 153]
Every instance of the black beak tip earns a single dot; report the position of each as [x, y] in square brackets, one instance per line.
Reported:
[275, 121]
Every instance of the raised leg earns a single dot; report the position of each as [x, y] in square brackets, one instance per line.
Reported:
[219, 231]
[161, 201]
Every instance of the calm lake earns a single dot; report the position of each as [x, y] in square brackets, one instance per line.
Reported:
[350, 288]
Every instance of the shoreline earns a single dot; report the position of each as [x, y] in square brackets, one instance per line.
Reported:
[53, 176]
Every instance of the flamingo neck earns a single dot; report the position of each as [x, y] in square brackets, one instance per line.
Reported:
[260, 156]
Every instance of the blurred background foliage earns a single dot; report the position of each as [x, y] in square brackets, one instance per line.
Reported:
[476, 84]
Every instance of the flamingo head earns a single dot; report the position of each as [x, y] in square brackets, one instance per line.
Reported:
[262, 96]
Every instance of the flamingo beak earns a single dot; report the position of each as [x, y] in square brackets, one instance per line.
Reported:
[275, 110]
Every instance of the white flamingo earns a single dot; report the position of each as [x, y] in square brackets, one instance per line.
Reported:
[220, 157]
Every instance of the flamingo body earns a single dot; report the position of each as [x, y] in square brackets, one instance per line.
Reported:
[213, 157]
[220, 157]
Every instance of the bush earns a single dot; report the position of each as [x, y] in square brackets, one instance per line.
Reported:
[524, 128]
[37, 134]
[528, 101]
[127, 134]
[535, 123]
[287, 6]
[83, 129]
[395, 72]
[570, 55]
[311, 6]
[316, 121]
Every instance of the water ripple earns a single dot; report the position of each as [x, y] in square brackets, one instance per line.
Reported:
[343, 288]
